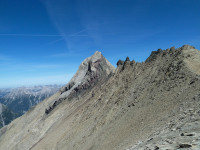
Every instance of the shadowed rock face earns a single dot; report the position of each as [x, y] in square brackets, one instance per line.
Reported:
[150, 105]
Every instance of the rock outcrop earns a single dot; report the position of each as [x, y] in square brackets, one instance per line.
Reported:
[92, 70]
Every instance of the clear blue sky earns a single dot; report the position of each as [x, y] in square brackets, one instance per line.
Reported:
[44, 41]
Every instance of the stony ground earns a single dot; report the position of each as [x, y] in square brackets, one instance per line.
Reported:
[181, 133]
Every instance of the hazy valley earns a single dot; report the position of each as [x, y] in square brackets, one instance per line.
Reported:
[17, 101]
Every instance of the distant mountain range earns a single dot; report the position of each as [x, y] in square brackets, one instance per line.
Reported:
[19, 100]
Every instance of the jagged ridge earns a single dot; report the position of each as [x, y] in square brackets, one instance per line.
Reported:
[138, 101]
[92, 70]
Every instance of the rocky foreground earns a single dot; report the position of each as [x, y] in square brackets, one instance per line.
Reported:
[151, 105]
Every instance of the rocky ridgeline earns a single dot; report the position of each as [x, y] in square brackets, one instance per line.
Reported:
[92, 70]
[175, 74]
[123, 64]
[170, 52]
[152, 105]
[171, 63]
[96, 68]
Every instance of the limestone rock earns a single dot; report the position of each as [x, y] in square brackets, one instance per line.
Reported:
[90, 71]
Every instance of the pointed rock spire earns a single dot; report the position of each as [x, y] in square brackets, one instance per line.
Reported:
[187, 47]
[90, 71]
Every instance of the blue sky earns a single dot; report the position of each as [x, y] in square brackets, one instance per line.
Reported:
[44, 41]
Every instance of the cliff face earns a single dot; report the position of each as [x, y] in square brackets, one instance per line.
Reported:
[126, 109]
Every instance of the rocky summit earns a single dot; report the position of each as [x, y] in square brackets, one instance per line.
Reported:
[91, 70]
[137, 106]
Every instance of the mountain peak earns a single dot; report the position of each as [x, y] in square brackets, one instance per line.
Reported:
[97, 53]
[90, 71]
[187, 47]
[171, 52]
[96, 56]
